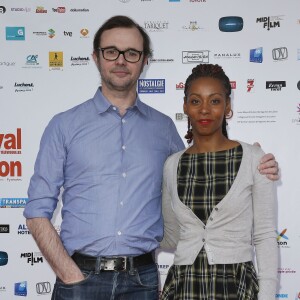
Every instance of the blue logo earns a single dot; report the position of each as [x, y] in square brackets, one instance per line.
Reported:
[21, 288]
[13, 202]
[151, 86]
[3, 258]
[231, 24]
[15, 33]
[256, 55]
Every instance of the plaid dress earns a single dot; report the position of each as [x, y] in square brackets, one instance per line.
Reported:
[203, 180]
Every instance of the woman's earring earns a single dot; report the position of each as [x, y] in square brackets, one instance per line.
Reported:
[229, 115]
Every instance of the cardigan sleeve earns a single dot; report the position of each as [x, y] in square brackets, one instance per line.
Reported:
[171, 225]
[264, 230]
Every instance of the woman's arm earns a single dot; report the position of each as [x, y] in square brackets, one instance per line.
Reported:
[264, 234]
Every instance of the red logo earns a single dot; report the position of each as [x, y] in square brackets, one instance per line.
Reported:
[250, 85]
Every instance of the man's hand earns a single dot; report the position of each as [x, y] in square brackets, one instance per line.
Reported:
[269, 167]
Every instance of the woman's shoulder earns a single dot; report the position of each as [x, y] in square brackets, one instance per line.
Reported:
[251, 149]
[174, 158]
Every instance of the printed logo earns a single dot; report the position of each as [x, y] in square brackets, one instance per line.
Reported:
[227, 55]
[156, 25]
[21, 9]
[13, 202]
[23, 87]
[151, 86]
[11, 143]
[233, 85]
[22, 229]
[190, 57]
[2, 288]
[250, 85]
[270, 22]
[180, 86]
[297, 119]
[21, 288]
[79, 10]
[282, 239]
[7, 63]
[40, 10]
[80, 60]
[280, 53]
[161, 60]
[286, 271]
[4, 228]
[68, 33]
[51, 33]
[39, 33]
[282, 296]
[275, 85]
[15, 33]
[2, 9]
[32, 61]
[84, 32]
[33, 257]
[231, 24]
[256, 55]
[181, 117]
[43, 288]
[193, 26]
[163, 269]
[56, 60]
[3, 258]
[60, 10]
[198, 1]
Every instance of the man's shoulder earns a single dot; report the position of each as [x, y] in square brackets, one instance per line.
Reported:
[74, 112]
[154, 113]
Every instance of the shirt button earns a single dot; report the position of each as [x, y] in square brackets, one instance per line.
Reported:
[203, 240]
[123, 121]
[216, 209]
[114, 108]
[121, 203]
[211, 218]
[123, 147]
[204, 227]
[119, 232]
[124, 175]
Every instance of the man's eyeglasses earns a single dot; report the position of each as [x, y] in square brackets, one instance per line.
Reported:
[130, 55]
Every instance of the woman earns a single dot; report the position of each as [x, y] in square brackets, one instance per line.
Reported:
[217, 208]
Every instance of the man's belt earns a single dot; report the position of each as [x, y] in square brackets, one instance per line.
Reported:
[114, 263]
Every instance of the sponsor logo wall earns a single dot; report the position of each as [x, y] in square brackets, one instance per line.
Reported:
[46, 67]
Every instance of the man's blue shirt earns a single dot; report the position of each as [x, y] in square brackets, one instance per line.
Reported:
[110, 168]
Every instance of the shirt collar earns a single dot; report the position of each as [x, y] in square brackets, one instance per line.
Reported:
[102, 104]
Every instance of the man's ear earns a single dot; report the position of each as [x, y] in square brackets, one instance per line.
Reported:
[95, 58]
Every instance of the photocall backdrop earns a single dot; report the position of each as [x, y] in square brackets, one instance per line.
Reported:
[46, 67]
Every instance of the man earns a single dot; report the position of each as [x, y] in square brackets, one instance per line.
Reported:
[108, 155]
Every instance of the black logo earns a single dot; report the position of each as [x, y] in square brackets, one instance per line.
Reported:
[43, 288]
[280, 53]
[2, 9]
[3, 258]
[275, 85]
[4, 228]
